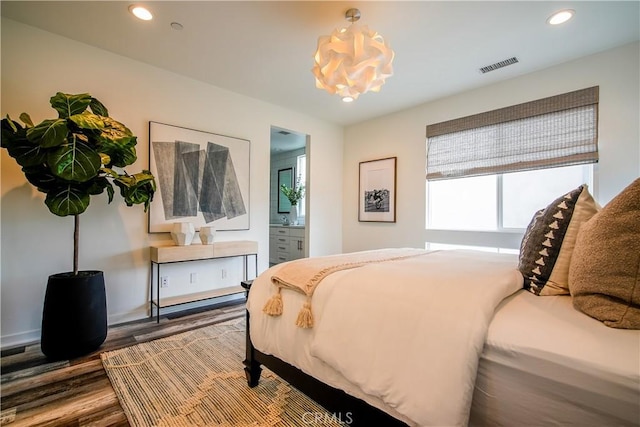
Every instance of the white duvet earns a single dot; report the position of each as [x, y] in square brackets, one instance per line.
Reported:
[411, 332]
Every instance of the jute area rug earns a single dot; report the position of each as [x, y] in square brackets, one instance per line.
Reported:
[197, 379]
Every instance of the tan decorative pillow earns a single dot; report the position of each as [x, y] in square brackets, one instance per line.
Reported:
[604, 275]
[547, 245]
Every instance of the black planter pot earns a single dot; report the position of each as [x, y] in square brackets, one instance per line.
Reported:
[74, 318]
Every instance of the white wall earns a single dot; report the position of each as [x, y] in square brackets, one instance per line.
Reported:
[403, 135]
[114, 238]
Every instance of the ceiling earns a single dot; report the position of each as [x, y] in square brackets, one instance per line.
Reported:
[264, 49]
[286, 140]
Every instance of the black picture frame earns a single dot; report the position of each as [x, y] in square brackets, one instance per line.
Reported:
[285, 176]
[377, 190]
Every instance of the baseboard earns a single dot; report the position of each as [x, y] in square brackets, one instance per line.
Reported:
[20, 339]
[33, 337]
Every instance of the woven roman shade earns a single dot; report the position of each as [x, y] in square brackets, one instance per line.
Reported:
[560, 130]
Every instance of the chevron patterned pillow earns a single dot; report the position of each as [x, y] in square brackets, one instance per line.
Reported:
[547, 245]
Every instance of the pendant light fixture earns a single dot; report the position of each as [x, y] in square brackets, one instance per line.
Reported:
[352, 60]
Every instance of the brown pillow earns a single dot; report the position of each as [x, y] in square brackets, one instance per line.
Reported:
[604, 275]
[547, 245]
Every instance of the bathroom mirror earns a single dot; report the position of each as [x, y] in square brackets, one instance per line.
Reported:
[285, 176]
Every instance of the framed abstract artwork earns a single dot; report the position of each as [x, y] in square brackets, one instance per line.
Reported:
[377, 191]
[202, 178]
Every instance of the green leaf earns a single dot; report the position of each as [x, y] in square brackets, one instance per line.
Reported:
[136, 179]
[74, 161]
[98, 108]
[67, 200]
[120, 157]
[49, 133]
[27, 154]
[11, 131]
[117, 141]
[110, 172]
[104, 158]
[68, 105]
[98, 185]
[110, 192]
[87, 121]
[137, 189]
[26, 119]
[10, 124]
[41, 177]
[116, 132]
[19, 147]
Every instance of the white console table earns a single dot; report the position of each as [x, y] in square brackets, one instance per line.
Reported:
[168, 254]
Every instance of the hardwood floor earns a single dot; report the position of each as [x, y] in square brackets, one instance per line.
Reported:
[36, 392]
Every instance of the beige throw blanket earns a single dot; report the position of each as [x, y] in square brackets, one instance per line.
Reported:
[304, 276]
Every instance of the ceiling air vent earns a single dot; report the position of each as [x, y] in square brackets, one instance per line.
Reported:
[500, 64]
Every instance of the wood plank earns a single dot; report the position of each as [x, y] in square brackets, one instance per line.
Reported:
[236, 248]
[185, 326]
[164, 253]
[78, 392]
[23, 359]
[109, 417]
[65, 413]
[32, 370]
[26, 384]
[53, 393]
[7, 416]
[199, 296]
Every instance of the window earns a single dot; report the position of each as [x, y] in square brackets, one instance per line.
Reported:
[487, 174]
[523, 193]
[501, 202]
[462, 204]
[446, 247]
[301, 179]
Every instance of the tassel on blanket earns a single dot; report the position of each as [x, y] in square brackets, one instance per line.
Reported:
[273, 307]
[305, 317]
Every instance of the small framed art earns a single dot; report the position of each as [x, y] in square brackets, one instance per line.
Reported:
[377, 191]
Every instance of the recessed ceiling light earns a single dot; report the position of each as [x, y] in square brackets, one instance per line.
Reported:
[347, 99]
[561, 16]
[140, 12]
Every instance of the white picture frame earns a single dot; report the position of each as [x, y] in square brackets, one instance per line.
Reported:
[202, 178]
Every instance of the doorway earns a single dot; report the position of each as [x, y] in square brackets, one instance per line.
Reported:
[288, 233]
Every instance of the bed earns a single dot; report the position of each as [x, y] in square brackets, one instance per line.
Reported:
[382, 350]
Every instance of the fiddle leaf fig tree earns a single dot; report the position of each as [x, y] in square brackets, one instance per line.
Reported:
[80, 154]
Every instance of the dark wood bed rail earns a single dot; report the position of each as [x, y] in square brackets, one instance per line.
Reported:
[344, 407]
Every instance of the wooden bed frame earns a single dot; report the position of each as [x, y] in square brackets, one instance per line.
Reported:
[345, 408]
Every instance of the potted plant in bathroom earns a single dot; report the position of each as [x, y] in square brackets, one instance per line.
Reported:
[294, 194]
[80, 154]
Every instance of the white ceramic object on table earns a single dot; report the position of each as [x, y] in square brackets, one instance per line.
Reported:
[207, 234]
[182, 233]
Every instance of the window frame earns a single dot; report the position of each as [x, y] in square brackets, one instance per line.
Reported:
[301, 159]
[501, 237]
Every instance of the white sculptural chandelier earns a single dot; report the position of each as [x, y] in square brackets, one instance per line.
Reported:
[352, 60]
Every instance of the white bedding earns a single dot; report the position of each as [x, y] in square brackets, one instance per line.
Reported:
[514, 353]
[547, 362]
[279, 336]
[420, 325]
